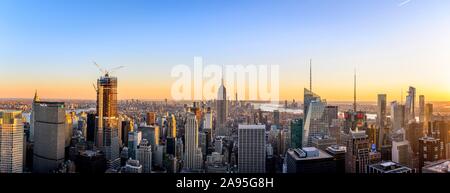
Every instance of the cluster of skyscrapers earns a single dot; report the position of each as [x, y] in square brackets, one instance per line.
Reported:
[223, 136]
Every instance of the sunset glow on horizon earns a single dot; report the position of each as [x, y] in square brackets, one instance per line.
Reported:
[392, 47]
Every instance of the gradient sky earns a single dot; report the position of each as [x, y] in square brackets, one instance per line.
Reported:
[49, 45]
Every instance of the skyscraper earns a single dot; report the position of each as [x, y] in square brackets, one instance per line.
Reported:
[32, 116]
[296, 133]
[251, 149]
[308, 97]
[276, 118]
[49, 137]
[11, 142]
[315, 123]
[144, 156]
[428, 117]
[151, 118]
[192, 159]
[429, 150]
[397, 116]
[421, 108]
[381, 111]
[410, 105]
[134, 139]
[106, 106]
[357, 157]
[221, 109]
[172, 126]
[107, 119]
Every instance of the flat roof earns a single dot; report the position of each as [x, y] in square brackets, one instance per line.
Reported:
[252, 127]
[442, 166]
[322, 155]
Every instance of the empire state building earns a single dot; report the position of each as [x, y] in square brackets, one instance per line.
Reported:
[221, 103]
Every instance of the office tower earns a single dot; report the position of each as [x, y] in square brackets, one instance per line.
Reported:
[157, 156]
[32, 116]
[309, 160]
[134, 139]
[338, 153]
[192, 159]
[413, 133]
[90, 134]
[276, 118]
[357, 157]
[296, 133]
[308, 97]
[90, 162]
[171, 146]
[68, 129]
[429, 150]
[410, 105]
[421, 108]
[388, 168]
[132, 166]
[397, 116]
[49, 136]
[401, 150]
[285, 140]
[330, 115]
[172, 126]
[443, 129]
[207, 121]
[106, 106]
[151, 133]
[251, 149]
[441, 167]
[127, 127]
[381, 111]
[82, 126]
[428, 118]
[221, 111]
[315, 124]
[203, 142]
[144, 156]
[111, 147]
[11, 142]
[151, 118]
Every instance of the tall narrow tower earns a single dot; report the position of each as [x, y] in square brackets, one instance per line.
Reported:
[354, 92]
[221, 109]
[310, 75]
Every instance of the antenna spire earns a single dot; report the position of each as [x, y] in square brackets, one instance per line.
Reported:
[222, 74]
[354, 91]
[310, 75]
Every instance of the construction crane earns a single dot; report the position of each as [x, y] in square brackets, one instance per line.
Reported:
[105, 71]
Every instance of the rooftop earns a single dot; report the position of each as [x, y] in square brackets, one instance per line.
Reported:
[308, 153]
[442, 166]
[390, 167]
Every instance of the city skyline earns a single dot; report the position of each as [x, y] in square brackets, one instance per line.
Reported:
[392, 45]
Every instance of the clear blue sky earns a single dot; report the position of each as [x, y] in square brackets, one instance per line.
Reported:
[51, 43]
